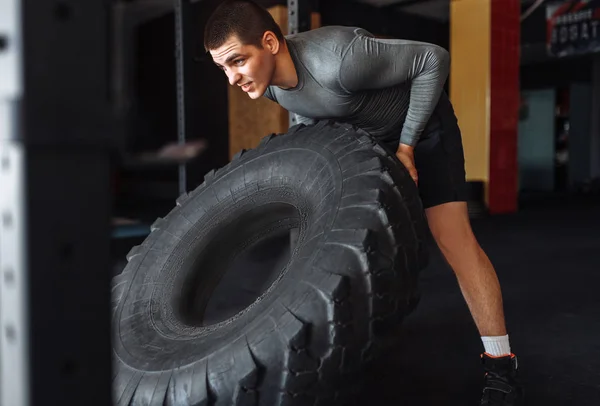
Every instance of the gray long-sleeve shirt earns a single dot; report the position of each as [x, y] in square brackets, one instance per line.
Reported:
[387, 87]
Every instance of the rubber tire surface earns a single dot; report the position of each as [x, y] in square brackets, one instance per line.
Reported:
[346, 288]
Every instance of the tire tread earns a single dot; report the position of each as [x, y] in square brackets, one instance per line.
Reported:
[379, 282]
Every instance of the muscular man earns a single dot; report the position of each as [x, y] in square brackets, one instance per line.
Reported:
[392, 89]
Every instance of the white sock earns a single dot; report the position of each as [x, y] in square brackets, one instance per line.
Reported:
[497, 345]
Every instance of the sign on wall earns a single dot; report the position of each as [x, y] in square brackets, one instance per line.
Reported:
[573, 27]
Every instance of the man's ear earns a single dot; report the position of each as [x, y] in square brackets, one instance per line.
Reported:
[270, 42]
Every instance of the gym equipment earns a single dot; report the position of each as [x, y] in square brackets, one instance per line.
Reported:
[309, 319]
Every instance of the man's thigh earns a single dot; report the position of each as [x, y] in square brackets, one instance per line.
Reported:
[440, 162]
[439, 158]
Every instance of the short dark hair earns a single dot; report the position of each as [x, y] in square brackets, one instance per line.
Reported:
[242, 18]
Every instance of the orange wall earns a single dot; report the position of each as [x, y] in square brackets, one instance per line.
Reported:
[470, 81]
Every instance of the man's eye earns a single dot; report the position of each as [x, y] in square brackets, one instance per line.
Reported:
[238, 61]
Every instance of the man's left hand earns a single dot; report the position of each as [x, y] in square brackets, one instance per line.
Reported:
[406, 155]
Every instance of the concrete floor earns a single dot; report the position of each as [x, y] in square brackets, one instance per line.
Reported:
[548, 260]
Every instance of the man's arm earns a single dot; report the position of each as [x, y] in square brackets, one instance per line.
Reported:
[372, 63]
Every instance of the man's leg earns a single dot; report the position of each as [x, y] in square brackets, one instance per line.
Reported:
[439, 160]
[450, 226]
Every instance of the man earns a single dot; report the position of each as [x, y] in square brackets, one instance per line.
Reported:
[392, 89]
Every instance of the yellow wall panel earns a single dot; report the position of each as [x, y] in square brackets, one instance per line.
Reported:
[470, 22]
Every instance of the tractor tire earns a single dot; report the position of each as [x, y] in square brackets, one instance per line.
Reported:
[349, 281]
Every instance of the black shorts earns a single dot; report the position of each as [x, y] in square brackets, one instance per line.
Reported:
[439, 158]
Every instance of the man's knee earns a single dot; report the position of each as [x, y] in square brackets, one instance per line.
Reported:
[450, 226]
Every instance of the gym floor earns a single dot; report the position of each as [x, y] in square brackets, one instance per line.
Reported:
[548, 260]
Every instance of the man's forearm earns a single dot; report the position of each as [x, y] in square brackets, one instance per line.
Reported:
[406, 148]
[425, 93]
[423, 101]
[409, 136]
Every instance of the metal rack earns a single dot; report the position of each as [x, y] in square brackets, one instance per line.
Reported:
[14, 331]
[183, 56]
[56, 136]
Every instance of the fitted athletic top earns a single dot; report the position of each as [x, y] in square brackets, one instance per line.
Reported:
[387, 87]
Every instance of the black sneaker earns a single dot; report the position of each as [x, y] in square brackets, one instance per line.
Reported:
[500, 386]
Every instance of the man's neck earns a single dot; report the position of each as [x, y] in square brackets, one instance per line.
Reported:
[286, 76]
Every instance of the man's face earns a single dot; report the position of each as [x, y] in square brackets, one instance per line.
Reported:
[246, 66]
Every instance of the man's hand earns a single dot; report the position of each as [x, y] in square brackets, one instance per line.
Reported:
[406, 155]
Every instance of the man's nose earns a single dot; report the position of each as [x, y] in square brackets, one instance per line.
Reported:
[234, 77]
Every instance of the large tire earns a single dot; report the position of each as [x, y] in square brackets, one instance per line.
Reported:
[347, 286]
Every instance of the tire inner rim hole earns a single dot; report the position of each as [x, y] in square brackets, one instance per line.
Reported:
[239, 265]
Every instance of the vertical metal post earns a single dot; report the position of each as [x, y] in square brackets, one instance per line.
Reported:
[298, 16]
[595, 127]
[182, 58]
[299, 12]
[14, 329]
[55, 132]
